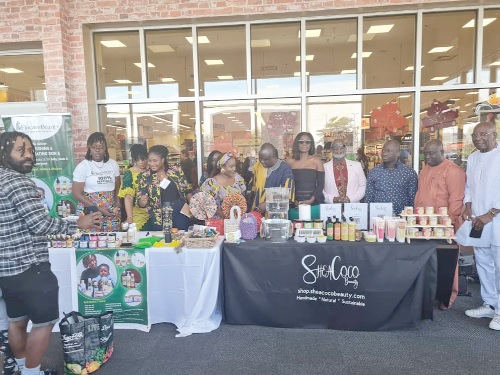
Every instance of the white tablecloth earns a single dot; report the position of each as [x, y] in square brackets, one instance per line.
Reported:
[183, 288]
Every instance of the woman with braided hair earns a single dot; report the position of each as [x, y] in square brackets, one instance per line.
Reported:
[96, 182]
[129, 188]
[163, 183]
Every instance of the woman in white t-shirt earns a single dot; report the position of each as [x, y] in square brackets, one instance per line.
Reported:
[96, 182]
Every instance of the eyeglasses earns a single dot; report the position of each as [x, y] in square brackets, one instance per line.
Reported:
[338, 147]
[307, 142]
[480, 134]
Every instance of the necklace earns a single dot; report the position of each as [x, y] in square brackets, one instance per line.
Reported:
[98, 164]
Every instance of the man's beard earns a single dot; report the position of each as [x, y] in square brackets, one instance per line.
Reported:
[339, 156]
[20, 167]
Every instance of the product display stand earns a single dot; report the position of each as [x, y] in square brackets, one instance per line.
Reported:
[420, 235]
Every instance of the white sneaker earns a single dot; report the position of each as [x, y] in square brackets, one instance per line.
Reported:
[484, 311]
[495, 322]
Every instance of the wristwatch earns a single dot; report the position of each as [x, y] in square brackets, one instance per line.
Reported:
[492, 213]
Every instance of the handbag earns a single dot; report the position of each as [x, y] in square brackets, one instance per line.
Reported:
[87, 341]
[248, 226]
[463, 235]
[218, 224]
[232, 225]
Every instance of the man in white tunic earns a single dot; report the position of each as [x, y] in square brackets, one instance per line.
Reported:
[482, 205]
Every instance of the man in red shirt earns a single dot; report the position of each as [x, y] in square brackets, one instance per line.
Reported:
[441, 183]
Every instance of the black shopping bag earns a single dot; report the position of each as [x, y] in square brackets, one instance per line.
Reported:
[87, 341]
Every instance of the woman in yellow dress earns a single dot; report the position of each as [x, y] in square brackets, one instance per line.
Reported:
[129, 187]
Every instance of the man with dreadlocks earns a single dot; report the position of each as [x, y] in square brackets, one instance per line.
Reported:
[29, 287]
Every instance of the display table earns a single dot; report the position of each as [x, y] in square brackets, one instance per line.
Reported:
[336, 285]
[183, 288]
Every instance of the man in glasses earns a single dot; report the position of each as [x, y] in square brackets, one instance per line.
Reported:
[441, 183]
[482, 205]
[345, 180]
[269, 171]
[392, 181]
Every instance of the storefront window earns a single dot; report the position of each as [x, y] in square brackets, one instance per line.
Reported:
[388, 51]
[118, 66]
[450, 117]
[169, 124]
[242, 126]
[328, 56]
[491, 46]
[222, 61]
[362, 121]
[22, 76]
[275, 69]
[448, 48]
[170, 63]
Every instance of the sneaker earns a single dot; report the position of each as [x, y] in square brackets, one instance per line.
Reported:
[495, 322]
[484, 311]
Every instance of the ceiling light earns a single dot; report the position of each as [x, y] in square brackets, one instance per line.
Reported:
[472, 93]
[472, 23]
[256, 43]
[122, 81]
[185, 115]
[297, 74]
[308, 58]
[312, 33]
[438, 78]
[366, 37]
[231, 117]
[463, 111]
[139, 65]
[157, 48]
[11, 70]
[214, 62]
[468, 104]
[496, 63]
[201, 39]
[411, 67]
[112, 43]
[455, 100]
[225, 77]
[379, 29]
[364, 54]
[440, 49]
[348, 71]
[404, 96]
[192, 118]
[167, 79]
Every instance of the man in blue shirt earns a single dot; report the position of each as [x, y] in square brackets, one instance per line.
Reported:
[392, 181]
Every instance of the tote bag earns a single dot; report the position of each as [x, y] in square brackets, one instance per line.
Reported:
[87, 341]
[463, 235]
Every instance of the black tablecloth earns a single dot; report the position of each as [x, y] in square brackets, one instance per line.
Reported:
[337, 285]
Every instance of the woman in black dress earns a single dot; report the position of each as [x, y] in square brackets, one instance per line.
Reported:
[308, 173]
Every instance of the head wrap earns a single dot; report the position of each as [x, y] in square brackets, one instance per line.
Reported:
[224, 158]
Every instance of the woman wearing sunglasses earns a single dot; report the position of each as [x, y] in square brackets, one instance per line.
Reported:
[308, 173]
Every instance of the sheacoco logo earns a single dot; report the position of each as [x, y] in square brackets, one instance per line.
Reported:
[333, 271]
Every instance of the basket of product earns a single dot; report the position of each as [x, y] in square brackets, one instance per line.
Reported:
[201, 237]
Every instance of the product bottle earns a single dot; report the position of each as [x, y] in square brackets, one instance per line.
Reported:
[352, 229]
[131, 233]
[58, 186]
[132, 281]
[64, 189]
[344, 230]
[89, 283]
[127, 282]
[123, 259]
[124, 279]
[329, 229]
[336, 230]
[117, 258]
